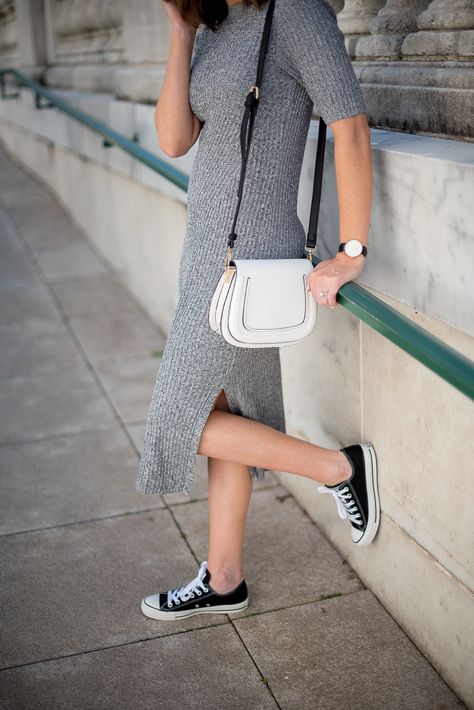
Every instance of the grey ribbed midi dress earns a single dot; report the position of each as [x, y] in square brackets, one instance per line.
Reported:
[307, 63]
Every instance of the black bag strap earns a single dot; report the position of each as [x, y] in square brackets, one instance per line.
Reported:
[246, 130]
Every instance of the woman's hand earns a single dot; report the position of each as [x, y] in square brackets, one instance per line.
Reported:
[175, 18]
[329, 275]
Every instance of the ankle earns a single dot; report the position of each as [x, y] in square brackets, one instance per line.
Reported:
[224, 579]
[338, 470]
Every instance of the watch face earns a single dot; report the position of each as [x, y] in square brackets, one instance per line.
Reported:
[353, 247]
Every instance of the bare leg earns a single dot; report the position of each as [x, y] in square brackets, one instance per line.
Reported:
[245, 441]
[230, 487]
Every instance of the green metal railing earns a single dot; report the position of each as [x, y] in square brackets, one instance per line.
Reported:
[48, 99]
[446, 362]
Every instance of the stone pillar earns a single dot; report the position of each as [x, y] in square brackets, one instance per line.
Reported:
[389, 28]
[145, 31]
[84, 31]
[446, 32]
[31, 33]
[337, 4]
[415, 67]
[355, 18]
[9, 49]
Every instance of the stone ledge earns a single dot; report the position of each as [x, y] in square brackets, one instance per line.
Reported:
[422, 97]
[435, 98]
[135, 83]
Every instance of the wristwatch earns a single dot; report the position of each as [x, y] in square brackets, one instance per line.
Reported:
[353, 247]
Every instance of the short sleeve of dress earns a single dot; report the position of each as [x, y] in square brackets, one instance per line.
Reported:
[310, 47]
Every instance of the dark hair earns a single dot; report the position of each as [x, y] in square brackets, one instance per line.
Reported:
[208, 12]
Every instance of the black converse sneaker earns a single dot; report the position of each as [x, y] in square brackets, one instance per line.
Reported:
[196, 597]
[357, 498]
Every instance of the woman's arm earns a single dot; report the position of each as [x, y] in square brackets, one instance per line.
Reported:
[353, 163]
[177, 127]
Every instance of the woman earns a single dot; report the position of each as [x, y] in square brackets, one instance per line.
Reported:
[210, 397]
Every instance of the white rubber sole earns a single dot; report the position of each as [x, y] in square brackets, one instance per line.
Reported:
[154, 613]
[370, 462]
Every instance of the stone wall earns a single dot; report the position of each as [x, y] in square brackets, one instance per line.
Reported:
[414, 58]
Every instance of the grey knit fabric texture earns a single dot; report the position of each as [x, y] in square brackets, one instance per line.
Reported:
[306, 63]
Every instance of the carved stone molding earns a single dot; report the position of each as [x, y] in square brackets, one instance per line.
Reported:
[355, 18]
[413, 58]
[337, 4]
[448, 15]
[389, 28]
[403, 70]
[8, 33]
[73, 17]
[86, 31]
[446, 32]
[7, 8]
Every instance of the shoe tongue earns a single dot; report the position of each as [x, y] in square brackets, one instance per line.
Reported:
[207, 577]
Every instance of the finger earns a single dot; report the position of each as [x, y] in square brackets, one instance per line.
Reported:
[332, 297]
[322, 300]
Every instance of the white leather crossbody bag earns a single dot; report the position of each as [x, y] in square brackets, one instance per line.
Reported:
[262, 303]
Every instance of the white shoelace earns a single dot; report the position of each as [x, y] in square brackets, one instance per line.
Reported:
[188, 591]
[346, 505]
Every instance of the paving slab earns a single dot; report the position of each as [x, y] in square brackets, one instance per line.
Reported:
[129, 384]
[287, 559]
[23, 190]
[27, 303]
[64, 402]
[37, 346]
[67, 479]
[206, 668]
[78, 588]
[64, 262]
[11, 174]
[45, 224]
[89, 296]
[346, 652]
[136, 432]
[17, 270]
[118, 336]
[13, 178]
[9, 243]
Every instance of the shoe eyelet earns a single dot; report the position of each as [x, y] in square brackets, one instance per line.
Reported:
[206, 589]
[177, 602]
[198, 592]
[169, 605]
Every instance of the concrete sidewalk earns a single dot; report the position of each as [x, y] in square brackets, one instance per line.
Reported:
[79, 547]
